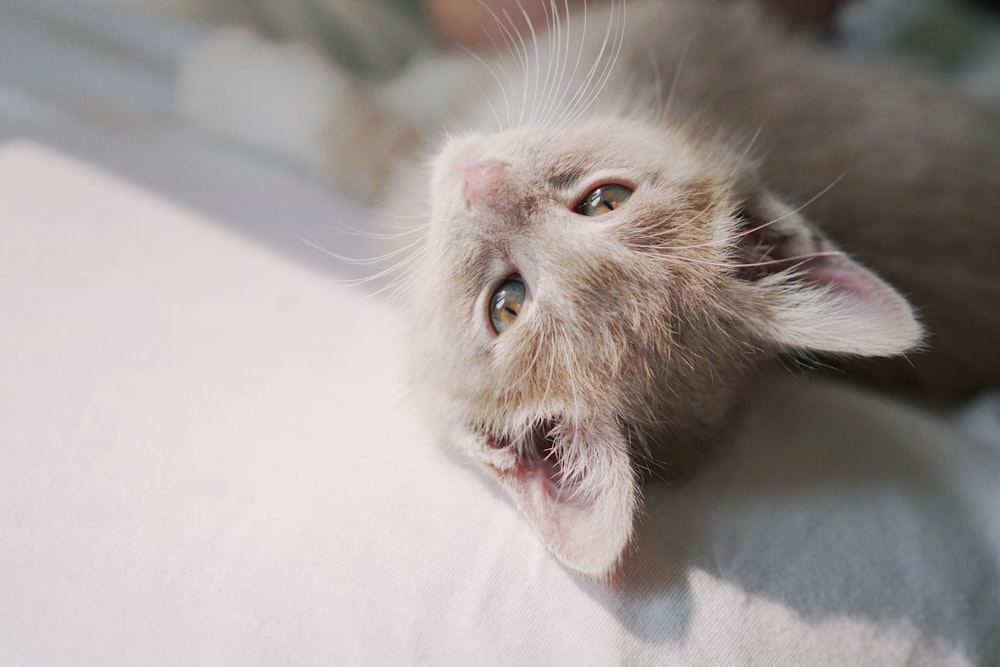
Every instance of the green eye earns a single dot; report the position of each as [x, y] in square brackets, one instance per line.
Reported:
[506, 304]
[604, 199]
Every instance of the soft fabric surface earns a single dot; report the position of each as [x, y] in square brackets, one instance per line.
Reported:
[208, 456]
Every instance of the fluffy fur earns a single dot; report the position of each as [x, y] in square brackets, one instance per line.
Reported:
[644, 326]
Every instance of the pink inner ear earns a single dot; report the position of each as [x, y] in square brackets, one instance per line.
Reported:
[841, 274]
[585, 520]
[813, 258]
[840, 306]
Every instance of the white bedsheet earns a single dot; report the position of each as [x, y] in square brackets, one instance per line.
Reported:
[207, 456]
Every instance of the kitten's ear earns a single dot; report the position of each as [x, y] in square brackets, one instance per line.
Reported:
[826, 302]
[581, 496]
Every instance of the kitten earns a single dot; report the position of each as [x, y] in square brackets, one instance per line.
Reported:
[609, 265]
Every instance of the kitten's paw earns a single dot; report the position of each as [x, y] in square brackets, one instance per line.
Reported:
[275, 97]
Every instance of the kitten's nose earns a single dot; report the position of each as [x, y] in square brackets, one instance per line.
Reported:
[482, 181]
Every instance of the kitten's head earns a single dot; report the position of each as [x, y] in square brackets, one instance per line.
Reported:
[594, 297]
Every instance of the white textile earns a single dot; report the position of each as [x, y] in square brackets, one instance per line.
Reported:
[208, 456]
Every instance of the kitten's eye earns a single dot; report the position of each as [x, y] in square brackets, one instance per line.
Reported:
[604, 199]
[506, 303]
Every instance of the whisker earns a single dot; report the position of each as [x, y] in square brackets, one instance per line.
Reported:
[496, 78]
[744, 232]
[559, 41]
[565, 86]
[512, 48]
[798, 209]
[579, 56]
[524, 60]
[802, 259]
[405, 231]
[357, 261]
[497, 48]
[794, 211]
[657, 73]
[746, 152]
[380, 236]
[580, 98]
[609, 63]
[616, 46]
[534, 43]
[668, 105]
[552, 37]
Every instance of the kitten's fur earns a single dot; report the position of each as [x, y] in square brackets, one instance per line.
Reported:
[644, 326]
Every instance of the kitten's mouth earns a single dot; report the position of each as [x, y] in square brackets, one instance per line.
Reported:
[540, 455]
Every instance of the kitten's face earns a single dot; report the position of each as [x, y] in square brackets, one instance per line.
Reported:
[583, 311]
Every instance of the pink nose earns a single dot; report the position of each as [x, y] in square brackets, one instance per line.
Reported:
[482, 181]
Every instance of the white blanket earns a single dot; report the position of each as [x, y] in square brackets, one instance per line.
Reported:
[208, 456]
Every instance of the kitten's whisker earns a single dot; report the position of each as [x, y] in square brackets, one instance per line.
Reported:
[401, 268]
[559, 60]
[361, 282]
[796, 210]
[668, 231]
[538, 64]
[574, 372]
[654, 64]
[524, 57]
[398, 270]
[668, 104]
[406, 216]
[747, 232]
[562, 83]
[506, 58]
[609, 63]
[552, 37]
[565, 83]
[396, 289]
[407, 231]
[543, 343]
[362, 261]
[620, 23]
[746, 152]
[802, 259]
[486, 98]
[378, 236]
[582, 99]
[568, 106]
[496, 78]
[729, 240]
[512, 44]
[564, 32]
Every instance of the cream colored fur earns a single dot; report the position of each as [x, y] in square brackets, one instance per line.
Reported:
[645, 326]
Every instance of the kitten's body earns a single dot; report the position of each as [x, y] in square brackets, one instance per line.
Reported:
[643, 328]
